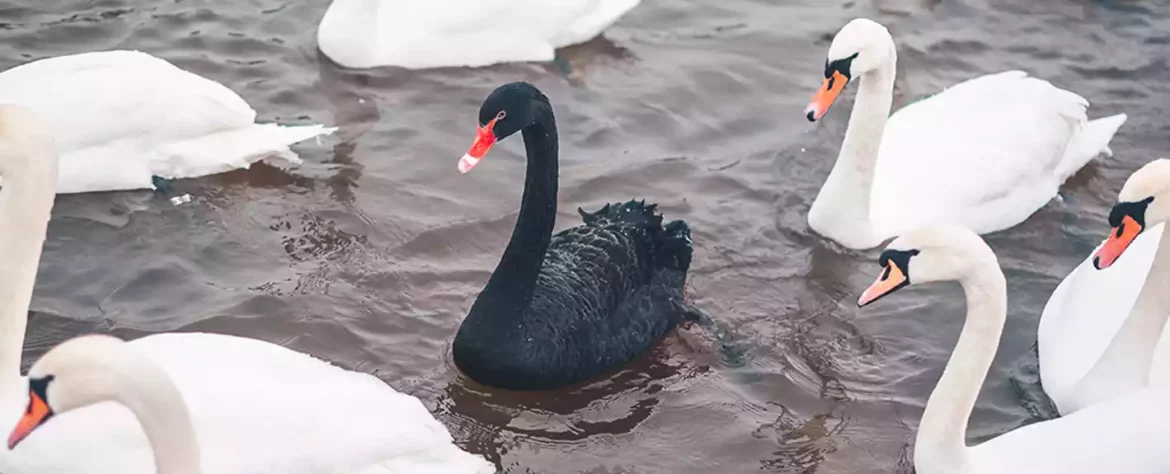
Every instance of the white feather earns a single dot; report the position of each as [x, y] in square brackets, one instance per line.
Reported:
[473, 33]
[121, 117]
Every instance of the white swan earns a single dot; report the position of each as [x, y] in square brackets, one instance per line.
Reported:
[256, 407]
[1128, 434]
[121, 117]
[473, 33]
[1093, 348]
[985, 153]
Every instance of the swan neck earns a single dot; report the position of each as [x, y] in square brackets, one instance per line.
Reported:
[841, 210]
[26, 204]
[1125, 365]
[154, 399]
[1152, 307]
[941, 440]
[514, 279]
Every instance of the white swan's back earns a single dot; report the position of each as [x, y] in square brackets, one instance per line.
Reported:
[472, 33]
[257, 408]
[986, 153]
[121, 117]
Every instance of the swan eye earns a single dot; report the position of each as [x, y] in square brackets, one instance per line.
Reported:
[501, 115]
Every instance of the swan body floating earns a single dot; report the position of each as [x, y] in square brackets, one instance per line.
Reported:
[418, 35]
[255, 407]
[1127, 434]
[985, 153]
[123, 117]
[1093, 348]
[561, 309]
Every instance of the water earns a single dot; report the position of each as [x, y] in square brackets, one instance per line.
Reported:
[371, 253]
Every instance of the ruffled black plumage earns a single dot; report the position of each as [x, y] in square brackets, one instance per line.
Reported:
[565, 309]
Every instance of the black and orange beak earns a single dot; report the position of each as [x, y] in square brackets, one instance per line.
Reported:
[484, 139]
[37, 414]
[1119, 240]
[892, 279]
[825, 96]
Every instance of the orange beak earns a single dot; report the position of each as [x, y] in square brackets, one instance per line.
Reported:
[892, 279]
[825, 96]
[1119, 240]
[38, 413]
[484, 139]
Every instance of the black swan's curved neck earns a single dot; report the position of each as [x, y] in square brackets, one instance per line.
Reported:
[512, 283]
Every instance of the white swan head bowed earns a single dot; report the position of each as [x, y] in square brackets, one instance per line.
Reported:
[93, 369]
[862, 45]
[1144, 202]
[929, 254]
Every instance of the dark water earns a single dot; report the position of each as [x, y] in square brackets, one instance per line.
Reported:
[370, 254]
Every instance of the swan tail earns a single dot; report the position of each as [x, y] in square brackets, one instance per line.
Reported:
[630, 212]
[231, 149]
[1092, 140]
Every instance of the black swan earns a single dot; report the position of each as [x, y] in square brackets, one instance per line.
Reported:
[561, 309]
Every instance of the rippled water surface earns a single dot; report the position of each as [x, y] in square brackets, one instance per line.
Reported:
[371, 252]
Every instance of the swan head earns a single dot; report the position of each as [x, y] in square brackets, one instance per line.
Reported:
[935, 253]
[505, 111]
[74, 374]
[1143, 202]
[861, 46]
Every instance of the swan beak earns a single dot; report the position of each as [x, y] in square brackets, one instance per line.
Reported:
[484, 139]
[38, 413]
[825, 96]
[1119, 240]
[892, 279]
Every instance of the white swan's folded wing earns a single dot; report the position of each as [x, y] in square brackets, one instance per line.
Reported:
[983, 153]
[105, 97]
[121, 117]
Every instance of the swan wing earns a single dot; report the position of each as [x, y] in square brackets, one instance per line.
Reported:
[124, 116]
[1128, 434]
[102, 97]
[257, 408]
[984, 153]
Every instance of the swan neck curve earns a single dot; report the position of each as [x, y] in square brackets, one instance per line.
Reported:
[841, 210]
[26, 204]
[512, 283]
[1125, 365]
[149, 393]
[941, 444]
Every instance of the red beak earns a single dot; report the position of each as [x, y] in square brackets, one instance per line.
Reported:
[484, 139]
